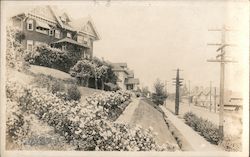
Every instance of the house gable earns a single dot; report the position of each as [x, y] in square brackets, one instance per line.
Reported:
[45, 12]
[85, 26]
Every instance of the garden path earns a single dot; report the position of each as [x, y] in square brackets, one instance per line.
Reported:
[197, 142]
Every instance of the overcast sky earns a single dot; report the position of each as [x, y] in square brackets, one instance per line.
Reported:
[155, 38]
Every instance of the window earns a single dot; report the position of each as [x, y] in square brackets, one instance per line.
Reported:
[39, 43]
[85, 40]
[51, 32]
[29, 45]
[57, 34]
[30, 25]
[42, 30]
[80, 39]
[69, 35]
[64, 47]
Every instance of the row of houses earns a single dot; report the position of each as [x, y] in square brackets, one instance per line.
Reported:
[54, 27]
[205, 97]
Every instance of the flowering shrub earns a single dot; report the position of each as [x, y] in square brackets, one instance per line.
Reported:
[84, 126]
[45, 55]
[111, 102]
[14, 50]
[207, 129]
[18, 126]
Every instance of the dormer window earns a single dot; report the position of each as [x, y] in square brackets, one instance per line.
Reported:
[69, 35]
[30, 25]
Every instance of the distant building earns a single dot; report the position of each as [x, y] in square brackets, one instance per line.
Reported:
[201, 97]
[125, 76]
[49, 25]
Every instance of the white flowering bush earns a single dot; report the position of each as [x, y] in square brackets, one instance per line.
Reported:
[14, 49]
[84, 126]
[18, 125]
[111, 102]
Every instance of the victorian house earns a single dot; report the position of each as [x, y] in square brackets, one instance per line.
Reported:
[51, 26]
[125, 76]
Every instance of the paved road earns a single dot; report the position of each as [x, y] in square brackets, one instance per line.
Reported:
[232, 121]
[139, 112]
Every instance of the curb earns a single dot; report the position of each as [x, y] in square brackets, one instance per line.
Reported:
[181, 141]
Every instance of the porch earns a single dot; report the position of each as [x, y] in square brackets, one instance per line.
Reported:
[71, 45]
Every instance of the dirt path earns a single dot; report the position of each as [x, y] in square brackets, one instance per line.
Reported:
[139, 112]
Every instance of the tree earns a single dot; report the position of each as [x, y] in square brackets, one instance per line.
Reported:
[82, 70]
[159, 96]
[96, 69]
[145, 91]
[99, 71]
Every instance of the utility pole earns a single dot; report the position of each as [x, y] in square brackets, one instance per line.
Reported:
[215, 103]
[221, 59]
[178, 83]
[210, 97]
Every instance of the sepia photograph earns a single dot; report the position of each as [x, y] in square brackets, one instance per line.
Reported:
[108, 78]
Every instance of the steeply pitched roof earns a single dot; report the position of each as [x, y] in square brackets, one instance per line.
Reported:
[79, 24]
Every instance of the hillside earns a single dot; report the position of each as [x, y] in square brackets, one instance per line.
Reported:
[26, 78]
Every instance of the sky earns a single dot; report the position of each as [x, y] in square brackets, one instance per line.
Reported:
[155, 38]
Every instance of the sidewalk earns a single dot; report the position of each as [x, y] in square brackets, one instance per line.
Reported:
[197, 142]
[140, 112]
[127, 114]
[232, 124]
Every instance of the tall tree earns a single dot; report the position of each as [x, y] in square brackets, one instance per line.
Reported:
[159, 96]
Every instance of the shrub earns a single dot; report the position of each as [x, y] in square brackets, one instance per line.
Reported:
[17, 125]
[47, 56]
[206, 128]
[110, 101]
[73, 93]
[84, 126]
[14, 50]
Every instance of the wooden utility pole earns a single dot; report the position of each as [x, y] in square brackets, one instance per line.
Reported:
[178, 83]
[210, 97]
[215, 103]
[221, 59]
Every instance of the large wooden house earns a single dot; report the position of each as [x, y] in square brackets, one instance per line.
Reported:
[49, 25]
[126, 80]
